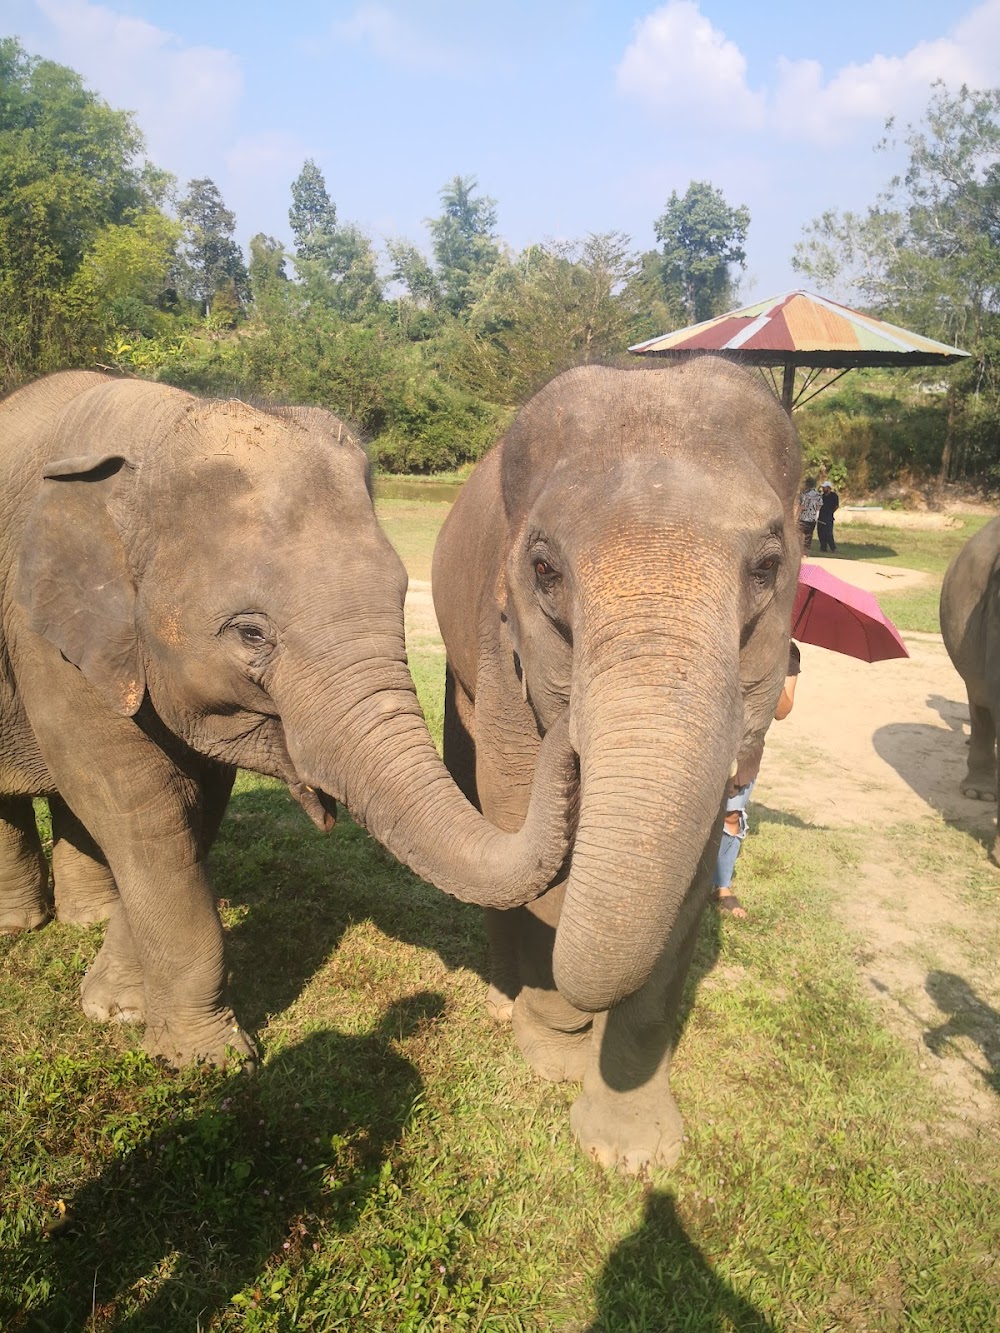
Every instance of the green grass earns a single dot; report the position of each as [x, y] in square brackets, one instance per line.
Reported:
[930, 549]
[394, 1166]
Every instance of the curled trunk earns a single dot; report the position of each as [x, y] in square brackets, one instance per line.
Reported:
[365, 742]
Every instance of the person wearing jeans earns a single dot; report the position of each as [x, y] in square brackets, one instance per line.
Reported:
[736, 823]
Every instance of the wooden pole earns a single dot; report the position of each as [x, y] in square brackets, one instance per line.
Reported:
[788, 387]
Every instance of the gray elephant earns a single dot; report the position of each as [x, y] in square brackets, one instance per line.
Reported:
[629, 550]
[193, 586]
[970, 624]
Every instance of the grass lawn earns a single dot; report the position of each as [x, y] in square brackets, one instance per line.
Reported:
[393, 1165]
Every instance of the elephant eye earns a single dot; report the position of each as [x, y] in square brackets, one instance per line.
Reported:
[251, 635]
[543, 569]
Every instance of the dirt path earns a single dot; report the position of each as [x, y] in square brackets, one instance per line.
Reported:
[873, 748]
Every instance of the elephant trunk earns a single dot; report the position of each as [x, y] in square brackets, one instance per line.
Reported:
[362, 739]
[658, 721]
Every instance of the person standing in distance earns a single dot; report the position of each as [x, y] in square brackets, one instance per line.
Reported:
[829, 504]
[809, 504]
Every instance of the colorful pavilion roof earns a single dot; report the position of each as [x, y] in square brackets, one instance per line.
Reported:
[800, 329]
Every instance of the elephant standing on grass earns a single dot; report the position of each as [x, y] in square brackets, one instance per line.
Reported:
[192, 586]
[970, 624]
[629, 550]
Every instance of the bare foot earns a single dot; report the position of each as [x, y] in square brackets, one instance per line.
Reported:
[728, 903]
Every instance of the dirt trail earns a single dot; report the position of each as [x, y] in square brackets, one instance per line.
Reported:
[870, 748]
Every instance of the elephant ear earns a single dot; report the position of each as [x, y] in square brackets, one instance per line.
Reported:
[73, 580]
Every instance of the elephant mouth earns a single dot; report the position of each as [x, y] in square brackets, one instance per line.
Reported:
[321, 808]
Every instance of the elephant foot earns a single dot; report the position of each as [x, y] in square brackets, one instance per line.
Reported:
[85, 908]
[221, 1042]
[559, 1057]
[979, 787]
[628, 1132]
[14, 920]
[112, 991]
[499, 1005]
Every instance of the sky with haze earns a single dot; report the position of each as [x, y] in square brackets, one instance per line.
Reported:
[577, 116]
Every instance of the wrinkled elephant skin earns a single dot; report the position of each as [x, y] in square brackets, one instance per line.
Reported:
[970, 625]
[194, 586]
[628, 552]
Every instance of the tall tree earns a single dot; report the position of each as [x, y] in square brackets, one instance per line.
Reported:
[213, 261]
[336, 261]
[702, 239]
[68, 168]
[464, 241]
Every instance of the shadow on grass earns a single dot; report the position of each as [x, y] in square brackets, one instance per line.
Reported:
[296, 891]
[171, 1230]
[763, 814]
[969, 1016]
[658, 1279]
[855, 550]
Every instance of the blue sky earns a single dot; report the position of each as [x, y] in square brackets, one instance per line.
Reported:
[577, 116]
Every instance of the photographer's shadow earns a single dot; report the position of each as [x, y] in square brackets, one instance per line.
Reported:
[658, 1278]
[197, 1211]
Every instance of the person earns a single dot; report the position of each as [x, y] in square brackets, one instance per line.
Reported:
[734, 828]
[829, 504]
[809, 505]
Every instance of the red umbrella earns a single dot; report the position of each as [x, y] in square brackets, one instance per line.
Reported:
[833, 614]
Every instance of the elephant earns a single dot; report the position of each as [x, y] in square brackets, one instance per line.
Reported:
[194, 586]
[628, 552]
[970, 625]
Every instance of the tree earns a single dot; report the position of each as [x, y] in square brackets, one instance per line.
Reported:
[269, 282]
[926, 254]
[701, 237]
[336, 261]
[68, 169]
[555, 306]
[463, 241]
[212, 259]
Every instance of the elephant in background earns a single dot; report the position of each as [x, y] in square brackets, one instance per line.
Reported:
[192, 586]
[970, 625]
[629, 552]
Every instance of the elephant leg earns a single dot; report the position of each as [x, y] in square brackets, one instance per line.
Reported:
[150, 804]
[112, 990]
[554, 1037]
[626, 1115]
[503, 933]
[981, 780]
[24, 871]
[84, 885]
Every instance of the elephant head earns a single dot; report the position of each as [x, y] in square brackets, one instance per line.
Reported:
[219, 571]
[648, 585]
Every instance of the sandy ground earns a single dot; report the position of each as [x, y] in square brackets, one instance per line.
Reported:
[872, 748]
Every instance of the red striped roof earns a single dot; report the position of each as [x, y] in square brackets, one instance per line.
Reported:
[800, 328]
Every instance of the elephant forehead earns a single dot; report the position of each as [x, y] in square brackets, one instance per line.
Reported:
[636, 496]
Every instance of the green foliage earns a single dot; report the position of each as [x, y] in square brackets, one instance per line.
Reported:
[335, 261]
[68, 171]
[212, 263]
[549, 308]
[926, 254]
[870, 428]
[464, 242]
[701, 237]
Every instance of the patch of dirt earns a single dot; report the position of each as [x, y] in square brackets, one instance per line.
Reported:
[896, 518]
[869, 747]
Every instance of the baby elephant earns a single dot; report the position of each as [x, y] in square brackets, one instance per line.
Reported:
[193, 586]
[628, 551]
[970, 624]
